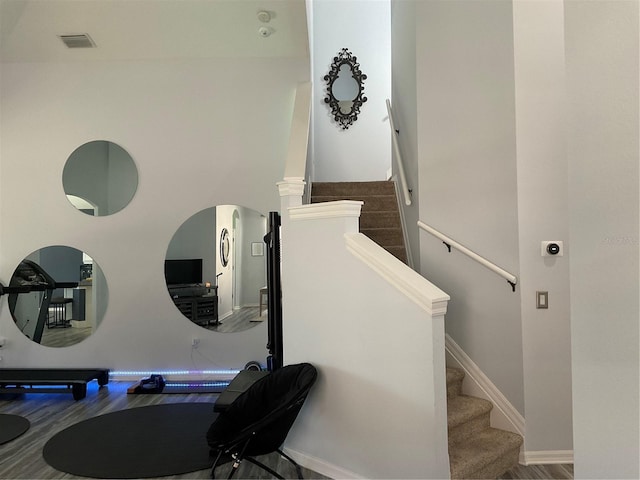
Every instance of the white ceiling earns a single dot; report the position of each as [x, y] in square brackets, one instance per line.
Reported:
[150, 29]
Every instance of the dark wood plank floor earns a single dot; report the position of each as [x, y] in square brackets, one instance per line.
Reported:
[52, 413]
[63, 337]
[239, 320]
[560, 472]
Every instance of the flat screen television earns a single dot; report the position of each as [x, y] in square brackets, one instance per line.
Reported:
[183, 272]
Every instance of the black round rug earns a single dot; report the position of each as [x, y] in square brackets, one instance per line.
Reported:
[12, 426]
[152, 441]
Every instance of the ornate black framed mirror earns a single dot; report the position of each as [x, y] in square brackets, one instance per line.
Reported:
[345, 88]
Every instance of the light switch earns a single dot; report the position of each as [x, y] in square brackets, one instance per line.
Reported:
[542, 299]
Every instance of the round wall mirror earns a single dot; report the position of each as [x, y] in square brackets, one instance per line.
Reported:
[225, 247]
[100, 178]
[215, 268]
[64, 296]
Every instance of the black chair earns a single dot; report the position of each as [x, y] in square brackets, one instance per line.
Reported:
[258, 421]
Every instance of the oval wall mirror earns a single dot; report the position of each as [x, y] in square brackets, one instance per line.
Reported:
[64, 299]
[100, 178]
[345, 89]
[215, 268]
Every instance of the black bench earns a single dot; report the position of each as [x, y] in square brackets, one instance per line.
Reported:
[51, 380]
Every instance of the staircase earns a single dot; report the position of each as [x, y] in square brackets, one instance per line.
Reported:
[379, 218]
[475, 449]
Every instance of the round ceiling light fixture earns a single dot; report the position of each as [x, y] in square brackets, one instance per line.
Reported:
[264, 31]
[264, 16]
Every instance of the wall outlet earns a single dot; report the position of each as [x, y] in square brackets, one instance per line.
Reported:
[195, 342]
[3, 341]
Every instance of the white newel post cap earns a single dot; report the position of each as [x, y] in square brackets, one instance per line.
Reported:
[291, 192]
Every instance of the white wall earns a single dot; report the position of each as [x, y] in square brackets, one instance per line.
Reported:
[254, 268]
[468, 178]
[225, 219]
[602, 81]
[541, 117]
[482, 130]
[404, 106]
[202, 133]
[362, 152]
[378, 409]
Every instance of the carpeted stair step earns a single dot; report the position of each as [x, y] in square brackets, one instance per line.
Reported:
[385, 237]
[353, 188]
[466, 416]
[399, 252]
[454, 382]
[389, 219]
[487, 454]
[475, 449]
[379, 216]
[377, 203]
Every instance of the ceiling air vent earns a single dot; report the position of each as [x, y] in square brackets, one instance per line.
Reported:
[81, 40]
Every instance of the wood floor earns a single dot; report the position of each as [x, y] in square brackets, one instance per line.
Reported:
[560, 472]
[52, 413]
[239, 320]
[63, 337]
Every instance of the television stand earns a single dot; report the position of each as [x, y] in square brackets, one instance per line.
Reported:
[202, 309]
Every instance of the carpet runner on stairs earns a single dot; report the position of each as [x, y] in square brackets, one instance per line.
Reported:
[379, 218]
[476, 450]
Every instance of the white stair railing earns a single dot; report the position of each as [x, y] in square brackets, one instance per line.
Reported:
[450, 243]
[406, 191]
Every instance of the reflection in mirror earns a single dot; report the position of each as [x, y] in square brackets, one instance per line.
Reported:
[214, 273]
[100, 178]
[345, 89]
[64, 299]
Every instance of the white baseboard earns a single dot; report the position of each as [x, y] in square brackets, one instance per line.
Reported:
[547, 457]
[320, 466]
[503, 415]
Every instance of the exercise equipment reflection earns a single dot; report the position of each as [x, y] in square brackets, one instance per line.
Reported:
[31, 277]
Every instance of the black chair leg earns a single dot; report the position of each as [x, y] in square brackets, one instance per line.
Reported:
[263, 466]
[215, 464]
[295, 464]
[237, 458]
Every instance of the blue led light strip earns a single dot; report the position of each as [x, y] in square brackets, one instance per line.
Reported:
[129, 373]
[196, 384]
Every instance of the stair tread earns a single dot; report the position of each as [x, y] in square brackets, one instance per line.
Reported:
[382, 229]
[352, 188]
[454, 375]
[463, 408]
[379, 215]
[391, 199]
[482, 449]
[385, 237]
